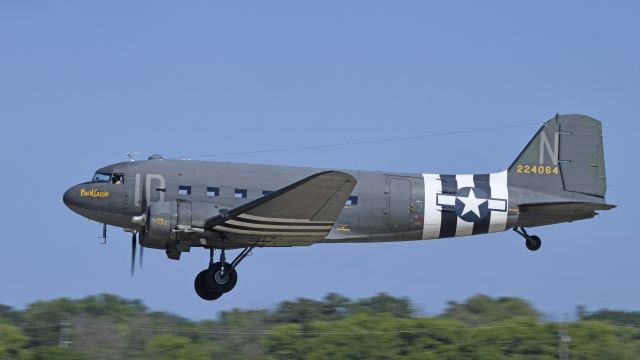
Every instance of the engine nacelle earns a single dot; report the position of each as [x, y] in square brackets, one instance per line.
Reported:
[176, 222]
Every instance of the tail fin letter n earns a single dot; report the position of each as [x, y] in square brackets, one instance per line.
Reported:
[546, 145]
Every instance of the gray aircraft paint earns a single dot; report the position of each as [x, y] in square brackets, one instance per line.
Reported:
[149, 178]
[391, 206]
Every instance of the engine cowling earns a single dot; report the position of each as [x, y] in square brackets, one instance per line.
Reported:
[176, 222]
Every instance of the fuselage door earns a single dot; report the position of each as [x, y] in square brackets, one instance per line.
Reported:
[399, 207]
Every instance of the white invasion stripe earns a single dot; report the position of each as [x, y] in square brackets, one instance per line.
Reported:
[464, 228]
[444, 199]
[432, 212]
[499, 190]
[498, 205]
[269, 233]
[282, 227]
[262, 218]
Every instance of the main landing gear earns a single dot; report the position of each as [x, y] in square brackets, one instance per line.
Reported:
[219, 277]
[533, 242]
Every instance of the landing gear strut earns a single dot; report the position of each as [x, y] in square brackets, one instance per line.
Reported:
[220, 277]
[533, 242]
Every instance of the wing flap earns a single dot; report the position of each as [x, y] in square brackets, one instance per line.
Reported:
[305, 210]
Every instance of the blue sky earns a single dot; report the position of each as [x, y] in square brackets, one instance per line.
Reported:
[81, 83]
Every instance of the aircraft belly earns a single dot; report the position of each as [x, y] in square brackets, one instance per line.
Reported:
[283, 241]
[370, 238]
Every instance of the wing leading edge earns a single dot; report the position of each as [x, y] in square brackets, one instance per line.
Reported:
[301, 213]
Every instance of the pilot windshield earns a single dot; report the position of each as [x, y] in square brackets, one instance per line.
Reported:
[101, 177]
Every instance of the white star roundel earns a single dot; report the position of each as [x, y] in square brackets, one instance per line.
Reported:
[472, 204]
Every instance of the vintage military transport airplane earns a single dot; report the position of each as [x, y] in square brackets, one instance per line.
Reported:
[174, 205]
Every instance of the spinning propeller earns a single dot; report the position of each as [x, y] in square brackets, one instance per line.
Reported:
[133, 252]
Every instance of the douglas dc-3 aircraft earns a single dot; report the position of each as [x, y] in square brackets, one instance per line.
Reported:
[175, 205]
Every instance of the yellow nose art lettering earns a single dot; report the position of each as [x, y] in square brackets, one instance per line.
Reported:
[94, 193]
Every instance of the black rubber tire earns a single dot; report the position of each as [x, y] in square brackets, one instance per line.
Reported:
[533, 243]
[213, 280]
[202, 287]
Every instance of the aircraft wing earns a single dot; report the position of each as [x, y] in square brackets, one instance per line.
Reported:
[299, 214]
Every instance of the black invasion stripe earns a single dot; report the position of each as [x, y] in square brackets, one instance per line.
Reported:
[449, 218]
[482, 182]
[267, 231]
[243, 219]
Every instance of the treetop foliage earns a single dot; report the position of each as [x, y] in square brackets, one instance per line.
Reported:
[380, 327]
[482, 309]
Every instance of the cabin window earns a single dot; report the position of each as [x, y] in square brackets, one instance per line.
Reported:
[213, 191]
[266, 192]
[184, 190]
[353, 200]
[117, 179]
[240, 193]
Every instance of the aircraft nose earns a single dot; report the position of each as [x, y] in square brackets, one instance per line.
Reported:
[71, 196]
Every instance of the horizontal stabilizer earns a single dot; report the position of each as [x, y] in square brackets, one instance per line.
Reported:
[549, 213]
[565, 207]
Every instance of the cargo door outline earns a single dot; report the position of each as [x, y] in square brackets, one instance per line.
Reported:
[399, 203]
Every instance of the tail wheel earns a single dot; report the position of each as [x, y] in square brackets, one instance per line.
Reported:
[533, 243]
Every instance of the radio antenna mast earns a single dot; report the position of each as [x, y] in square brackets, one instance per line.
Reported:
[131, 155]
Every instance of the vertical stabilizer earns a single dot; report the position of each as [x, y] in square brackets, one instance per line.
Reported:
[566, 155]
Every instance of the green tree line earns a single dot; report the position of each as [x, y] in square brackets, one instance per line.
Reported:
[336, 327]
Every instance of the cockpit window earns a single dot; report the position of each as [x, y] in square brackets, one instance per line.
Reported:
[117, 179]
[101, 177]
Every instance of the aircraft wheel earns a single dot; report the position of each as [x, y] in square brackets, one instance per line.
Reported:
[202, 287]
[533, 243]
[220, 283]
